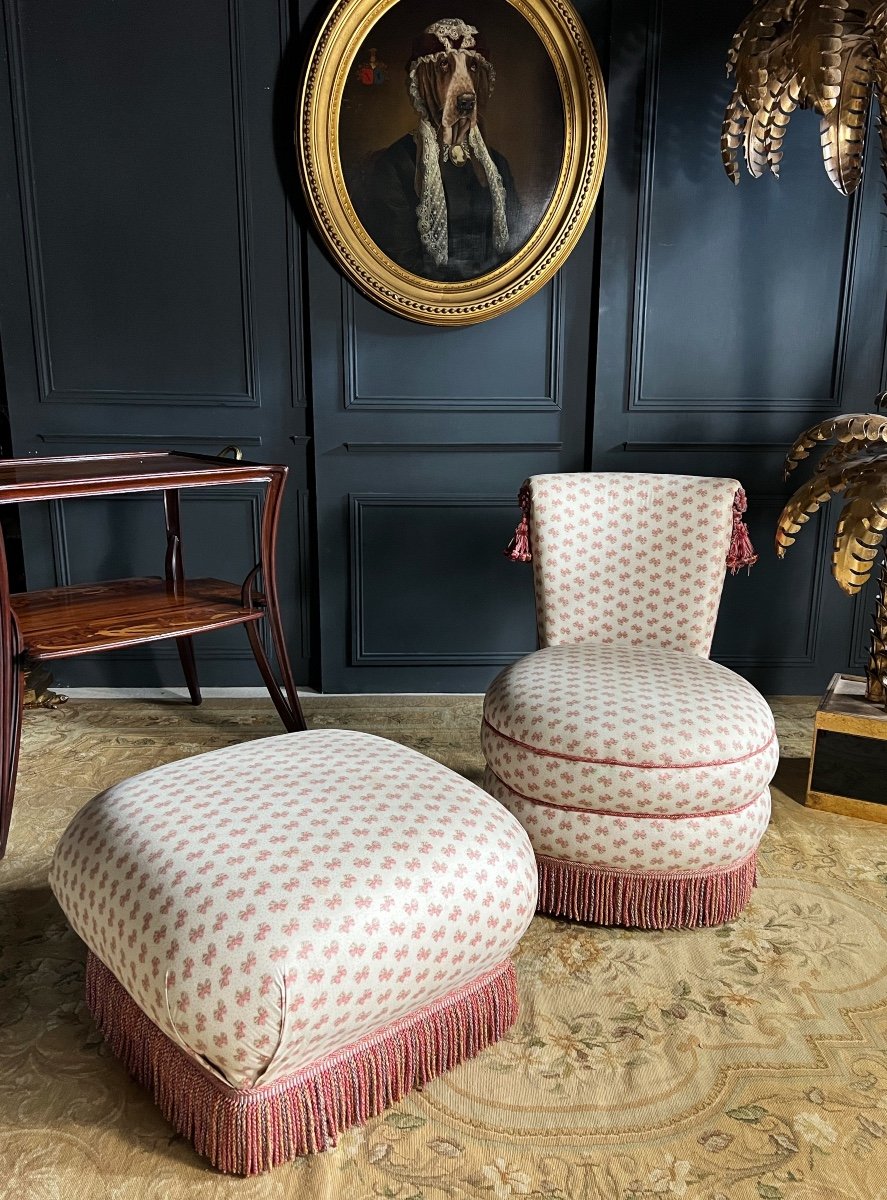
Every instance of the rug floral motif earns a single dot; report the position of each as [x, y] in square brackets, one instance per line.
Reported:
[747, 1062]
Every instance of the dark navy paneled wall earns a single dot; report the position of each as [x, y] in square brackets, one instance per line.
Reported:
[730, 320]
[162, 287]
[151, 290]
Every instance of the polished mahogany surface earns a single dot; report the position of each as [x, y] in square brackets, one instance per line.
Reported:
[23, 479]
[61, 622]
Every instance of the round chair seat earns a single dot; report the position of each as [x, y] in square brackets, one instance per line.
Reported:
[629, 730]
[639, 774]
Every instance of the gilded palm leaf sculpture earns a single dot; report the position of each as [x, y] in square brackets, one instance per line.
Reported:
[856, 465]
[827, 55]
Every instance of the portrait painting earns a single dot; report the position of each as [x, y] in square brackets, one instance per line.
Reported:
[466, 149]
[451, 158]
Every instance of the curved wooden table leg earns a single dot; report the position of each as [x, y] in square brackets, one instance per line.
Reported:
[286, 699]
[185, 647]
[175, 574]
[12, 683]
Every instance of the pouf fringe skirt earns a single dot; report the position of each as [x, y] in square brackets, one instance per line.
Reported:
[248, 1131]
[645, 899]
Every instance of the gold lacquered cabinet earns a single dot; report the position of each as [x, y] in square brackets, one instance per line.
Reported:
[848, 763]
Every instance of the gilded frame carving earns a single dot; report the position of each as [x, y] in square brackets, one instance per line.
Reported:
[333, 57]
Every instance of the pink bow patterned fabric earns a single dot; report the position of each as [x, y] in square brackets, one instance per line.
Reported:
[628, 558]
[269, 903]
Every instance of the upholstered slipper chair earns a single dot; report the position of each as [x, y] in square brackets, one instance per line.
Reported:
[286, 936]
[639, 768]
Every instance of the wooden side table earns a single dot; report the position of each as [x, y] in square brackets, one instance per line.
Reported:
[62, 622]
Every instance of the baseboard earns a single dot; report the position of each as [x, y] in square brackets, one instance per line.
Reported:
[232, 693]
[168, 693]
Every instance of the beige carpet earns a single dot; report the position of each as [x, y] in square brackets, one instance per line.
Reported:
[743, 1062]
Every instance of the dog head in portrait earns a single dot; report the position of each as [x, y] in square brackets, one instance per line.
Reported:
[450, 80]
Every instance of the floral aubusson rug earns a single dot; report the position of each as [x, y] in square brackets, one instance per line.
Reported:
[742, 1063]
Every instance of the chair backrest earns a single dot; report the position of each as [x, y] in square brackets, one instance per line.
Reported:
[625, 559]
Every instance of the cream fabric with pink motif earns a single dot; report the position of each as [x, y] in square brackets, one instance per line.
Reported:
[632, 842]
[630, 559]
[272, 902]
[621, 730]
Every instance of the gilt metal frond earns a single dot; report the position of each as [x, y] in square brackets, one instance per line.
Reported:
[766, 127]
[817, 32]
[733, 135]
[864, 479]
[826, 55]
[842, 130]
[811, 496]
[853, 463]
[851, 432]
[751, 51]
[860, 533]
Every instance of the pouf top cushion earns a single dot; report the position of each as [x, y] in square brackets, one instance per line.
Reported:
[267, 903]
[629, 729]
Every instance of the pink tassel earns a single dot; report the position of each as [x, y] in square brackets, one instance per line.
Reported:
[518, 549]
[741, 552]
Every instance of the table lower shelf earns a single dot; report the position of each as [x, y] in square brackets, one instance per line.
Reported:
[62, 622]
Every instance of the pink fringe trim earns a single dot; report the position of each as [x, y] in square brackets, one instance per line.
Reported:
[518, 549]
[645, 899]
[741, 552]
[245, 1132]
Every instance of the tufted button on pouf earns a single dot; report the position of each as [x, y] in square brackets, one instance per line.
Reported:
[286, 936]
[641, 776]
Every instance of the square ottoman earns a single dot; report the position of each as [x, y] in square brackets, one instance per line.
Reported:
[286, 936]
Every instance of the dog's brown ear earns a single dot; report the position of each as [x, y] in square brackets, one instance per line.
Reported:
[482, 84]
[427, 91]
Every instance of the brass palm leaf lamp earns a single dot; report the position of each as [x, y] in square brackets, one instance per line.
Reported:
[855, 464]
[829, 56]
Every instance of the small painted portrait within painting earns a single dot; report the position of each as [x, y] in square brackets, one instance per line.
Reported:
[451, 136]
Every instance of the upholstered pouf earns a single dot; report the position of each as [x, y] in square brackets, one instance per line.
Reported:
[641, 775]
[286, 936]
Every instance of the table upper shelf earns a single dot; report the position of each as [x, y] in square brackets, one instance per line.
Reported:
[24, 479]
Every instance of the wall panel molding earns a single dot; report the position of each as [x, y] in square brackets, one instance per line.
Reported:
[153, 291]
[154, 440]
[672, 447]
[48, 391]
[294, 252]
[814, 607]
[304, 592]
[360, 655]
[637, 401]
[552, 398]
[453, 447]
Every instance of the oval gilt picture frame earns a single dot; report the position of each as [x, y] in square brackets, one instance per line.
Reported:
[451, 164]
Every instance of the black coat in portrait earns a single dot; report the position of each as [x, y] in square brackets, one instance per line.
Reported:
[386, 202]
